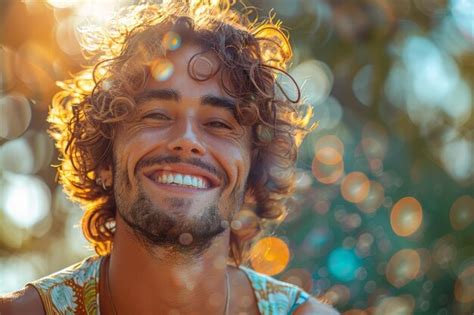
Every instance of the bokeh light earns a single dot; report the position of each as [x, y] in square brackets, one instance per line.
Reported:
[270, 255]
[463, 13]
[404, 304]
[374, 198]
[343, 264]
[374, 141]
[338, 295]
[406, 216]
[315, 79]
[403, 267]
[26, 199]
[355, 187]
[362, 85]
[329, 113]
[461, 214]
[464, 286]
[15, 117]
[328, 163]
[171, 41]
[161, 69]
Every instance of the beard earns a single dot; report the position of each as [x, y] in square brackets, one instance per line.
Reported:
[155, 227]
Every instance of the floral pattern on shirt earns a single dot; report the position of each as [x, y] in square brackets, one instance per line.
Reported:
[74, 290]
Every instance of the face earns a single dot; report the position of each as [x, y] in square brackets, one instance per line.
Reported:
[181, 163]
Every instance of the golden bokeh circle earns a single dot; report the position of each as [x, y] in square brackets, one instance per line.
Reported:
[374, 199]
[355, 187]
[328, 156]
[461, 214]
[464, 285]
[403, 267]
[327, 173]
[330, 141]
[406, 216]
[270, 255]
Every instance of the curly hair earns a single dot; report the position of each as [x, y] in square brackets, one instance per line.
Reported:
[254, 55]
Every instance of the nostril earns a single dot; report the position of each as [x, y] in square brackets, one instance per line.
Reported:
[194, 150]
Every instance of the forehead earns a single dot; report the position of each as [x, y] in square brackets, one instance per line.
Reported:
[191, 70]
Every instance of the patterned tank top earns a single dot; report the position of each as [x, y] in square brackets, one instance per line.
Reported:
[75, 290]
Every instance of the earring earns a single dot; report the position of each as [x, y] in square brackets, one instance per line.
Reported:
[99, 181]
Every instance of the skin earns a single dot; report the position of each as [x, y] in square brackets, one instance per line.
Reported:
[160, 278]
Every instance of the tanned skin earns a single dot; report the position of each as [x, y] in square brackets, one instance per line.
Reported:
[147, 279]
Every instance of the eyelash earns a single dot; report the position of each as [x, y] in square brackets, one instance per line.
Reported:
[154, 115]
[221, 124]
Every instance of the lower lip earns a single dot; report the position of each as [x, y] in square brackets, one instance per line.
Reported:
[178, 189]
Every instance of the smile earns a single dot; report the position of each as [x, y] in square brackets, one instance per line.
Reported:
[180, 179]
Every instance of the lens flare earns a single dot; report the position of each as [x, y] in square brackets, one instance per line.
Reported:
[355, 187]
[161, 69]
[403, 267]
[374, 199]
[464, 286]
[406, 216]
[270, 256]
[171, 41]
[461, 214]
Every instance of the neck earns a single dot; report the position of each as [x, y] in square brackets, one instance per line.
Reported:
[161, 280]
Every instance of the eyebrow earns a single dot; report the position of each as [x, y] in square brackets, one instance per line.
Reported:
[161, 94]
[173, 95]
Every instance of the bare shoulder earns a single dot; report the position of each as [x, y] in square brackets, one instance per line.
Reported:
[313, 306]
[24, 301]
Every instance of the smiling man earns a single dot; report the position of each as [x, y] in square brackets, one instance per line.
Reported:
[180, 147]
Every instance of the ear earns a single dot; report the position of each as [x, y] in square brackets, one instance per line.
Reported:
[105, 173]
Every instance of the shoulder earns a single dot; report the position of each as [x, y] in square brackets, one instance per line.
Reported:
[313, 306]
[276, 297]
[24, 301]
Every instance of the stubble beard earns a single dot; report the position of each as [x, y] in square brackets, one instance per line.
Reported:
[155, 227]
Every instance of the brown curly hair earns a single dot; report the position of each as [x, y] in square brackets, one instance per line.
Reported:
[254, 55]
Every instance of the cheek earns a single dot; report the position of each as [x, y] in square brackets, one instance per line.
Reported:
[132, 144]
[234, 157]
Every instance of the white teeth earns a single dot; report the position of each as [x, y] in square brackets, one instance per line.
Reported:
[178, 179]
[181, 179]
[187, 180]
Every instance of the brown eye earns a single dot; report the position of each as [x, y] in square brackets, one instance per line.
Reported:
[218, 124]
[157, 116]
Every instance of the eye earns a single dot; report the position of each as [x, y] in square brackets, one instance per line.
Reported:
[158, 116]
[218, 124]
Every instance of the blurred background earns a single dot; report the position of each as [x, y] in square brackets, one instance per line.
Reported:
[382, 221]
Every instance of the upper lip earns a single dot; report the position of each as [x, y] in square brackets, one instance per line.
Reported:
[186, 169]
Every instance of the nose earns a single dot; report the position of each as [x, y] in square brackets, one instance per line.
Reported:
[186, 141]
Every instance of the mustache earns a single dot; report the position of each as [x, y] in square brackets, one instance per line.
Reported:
[163, 160]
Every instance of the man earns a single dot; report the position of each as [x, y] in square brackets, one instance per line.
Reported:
[177, 146]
